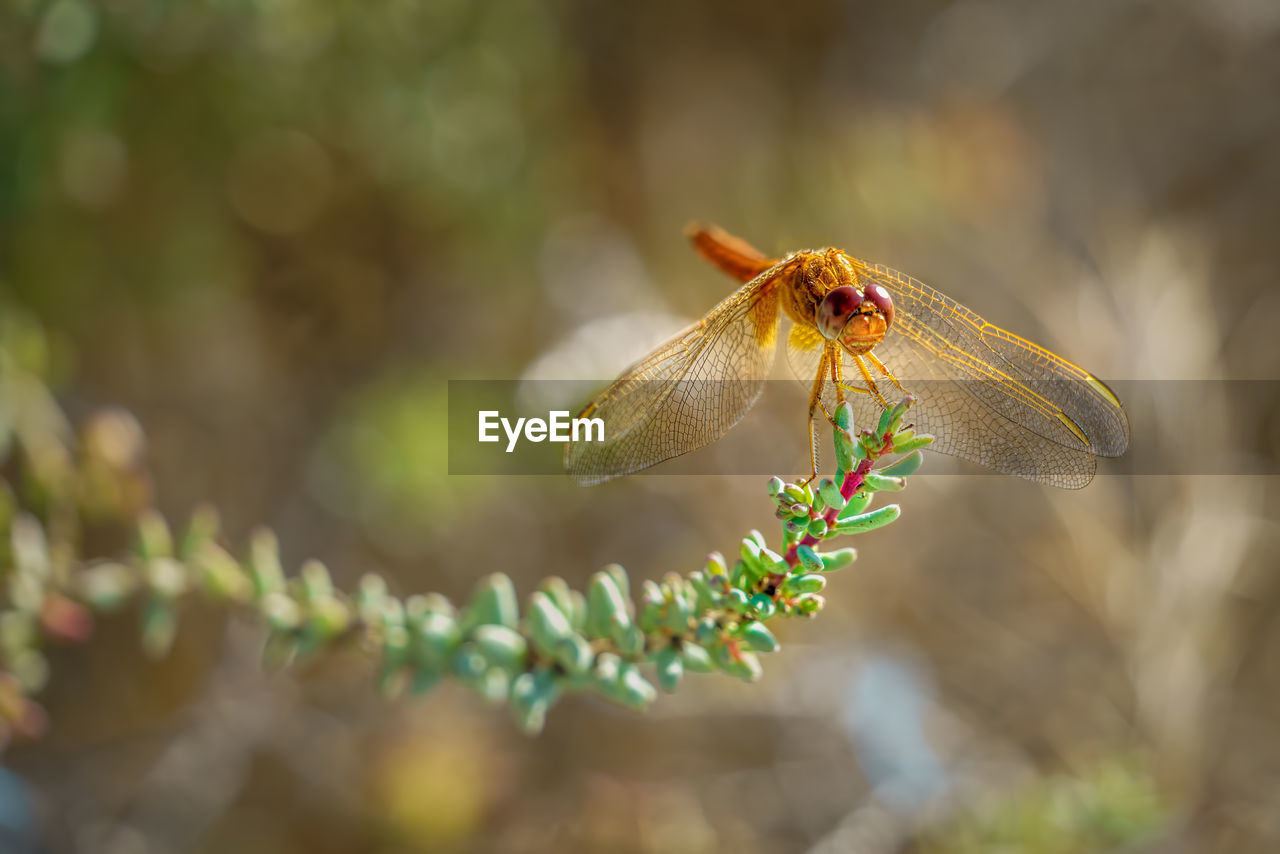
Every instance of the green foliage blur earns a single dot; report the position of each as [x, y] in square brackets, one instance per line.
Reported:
[274, 231]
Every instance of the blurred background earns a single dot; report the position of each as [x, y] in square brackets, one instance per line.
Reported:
[275, 231]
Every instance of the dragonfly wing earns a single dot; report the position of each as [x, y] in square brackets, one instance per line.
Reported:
[804, 352]
[1077, 393]
[688, 392]
[964, 426]
[961, 421]
[991, 397]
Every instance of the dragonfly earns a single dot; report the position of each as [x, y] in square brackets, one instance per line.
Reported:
[859, 332]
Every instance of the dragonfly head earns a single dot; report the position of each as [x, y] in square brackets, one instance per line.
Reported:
[858, 319]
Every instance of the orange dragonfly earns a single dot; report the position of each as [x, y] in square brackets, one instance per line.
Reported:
[987, 395]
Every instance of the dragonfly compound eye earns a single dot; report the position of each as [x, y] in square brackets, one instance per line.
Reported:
[836, 308]
[879, 297]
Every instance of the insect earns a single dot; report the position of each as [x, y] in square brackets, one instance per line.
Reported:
[864, 333]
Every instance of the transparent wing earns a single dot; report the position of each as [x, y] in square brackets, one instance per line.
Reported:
[1018, 378]
[804, 352]
[688, 392]
[987, 395]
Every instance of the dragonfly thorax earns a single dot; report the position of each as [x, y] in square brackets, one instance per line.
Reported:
[854, 313]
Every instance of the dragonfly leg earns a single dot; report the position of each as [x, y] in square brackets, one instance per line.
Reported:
[815, 403]
[856, 388]
[872, 388]
[833, 360]
[813, 454]
[837, 377]
[880, 366]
